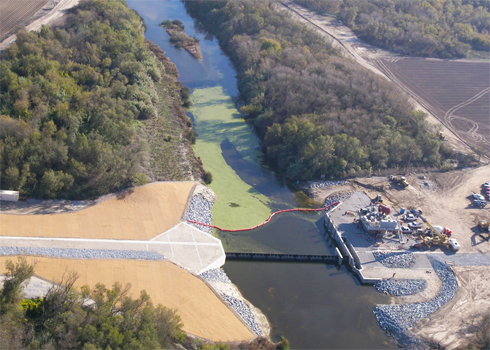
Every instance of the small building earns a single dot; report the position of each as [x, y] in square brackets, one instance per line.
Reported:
[9, 196]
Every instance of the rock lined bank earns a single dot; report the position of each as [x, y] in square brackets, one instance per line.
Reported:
[200, 210]
[398, 318]
[70, 253]
[399, 287]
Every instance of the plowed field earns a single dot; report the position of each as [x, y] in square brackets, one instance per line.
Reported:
[456, 92]
[16, 13]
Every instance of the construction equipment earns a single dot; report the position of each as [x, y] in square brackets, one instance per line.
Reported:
[400, 180]
[441, 136]
[479, 203]
[438, 236]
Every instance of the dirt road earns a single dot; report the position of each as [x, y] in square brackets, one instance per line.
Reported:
[56, 12]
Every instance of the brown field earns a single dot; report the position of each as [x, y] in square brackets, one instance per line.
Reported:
[141, 213]
[456, 92]
[16, 13]
[202, 312]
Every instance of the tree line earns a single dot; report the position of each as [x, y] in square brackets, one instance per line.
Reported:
[424, 28]
[94, 318]
[75, 103]
[316, 112]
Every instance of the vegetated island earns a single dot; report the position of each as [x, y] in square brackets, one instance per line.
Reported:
[180, 39]
[316, 112]
[442, 29]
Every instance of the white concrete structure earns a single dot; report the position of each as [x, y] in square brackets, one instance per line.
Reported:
[10, 196]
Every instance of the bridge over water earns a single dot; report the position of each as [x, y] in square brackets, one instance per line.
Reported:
[325, 259]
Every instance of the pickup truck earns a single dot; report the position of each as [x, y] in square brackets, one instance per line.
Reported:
[409, 217]
[414, 225]
[477, 196]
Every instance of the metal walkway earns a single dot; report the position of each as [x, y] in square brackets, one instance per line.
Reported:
[331, 259]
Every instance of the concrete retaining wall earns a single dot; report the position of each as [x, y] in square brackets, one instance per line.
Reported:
[346, 250]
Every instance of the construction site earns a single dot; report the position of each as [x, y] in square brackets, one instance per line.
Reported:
[426, 232]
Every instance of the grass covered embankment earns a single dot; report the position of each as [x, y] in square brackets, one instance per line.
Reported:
[217, 121]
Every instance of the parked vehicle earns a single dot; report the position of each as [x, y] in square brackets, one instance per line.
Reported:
[414, 225]
[477, 196]
[409, 217]
[405, 229]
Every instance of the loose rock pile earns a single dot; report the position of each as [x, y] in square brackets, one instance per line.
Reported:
[337, 198]
[81, 253]
[200, 211]
[244, 311]
[321, 184]
[398, 318]
[401, 287]
[215, 275]
[395, 259]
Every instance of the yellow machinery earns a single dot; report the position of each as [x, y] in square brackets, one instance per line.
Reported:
[438, 238]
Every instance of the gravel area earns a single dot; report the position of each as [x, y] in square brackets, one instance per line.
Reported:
[395, 260]
[398, 318]
[462, 259]
[322, 184]
[215, 275]
[200, 211]
[81, 253]
[399, 287]
[244, 311]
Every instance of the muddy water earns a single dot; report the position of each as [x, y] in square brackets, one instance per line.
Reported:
[315, 306]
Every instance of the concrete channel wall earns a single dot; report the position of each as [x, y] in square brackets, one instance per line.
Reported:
[345, 251]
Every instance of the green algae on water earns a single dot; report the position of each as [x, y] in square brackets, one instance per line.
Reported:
[216, 120]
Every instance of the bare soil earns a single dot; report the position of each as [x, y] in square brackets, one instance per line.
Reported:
[140, 213]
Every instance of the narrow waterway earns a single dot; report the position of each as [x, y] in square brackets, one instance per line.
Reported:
[315, 306]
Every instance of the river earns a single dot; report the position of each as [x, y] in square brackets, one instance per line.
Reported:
[315, 306]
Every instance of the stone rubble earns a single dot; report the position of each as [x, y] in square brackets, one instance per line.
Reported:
[398, 318]
[215, 275]
[395, 259]
[321, 184]
[243, 310]
[81, 253]
[399, 287]
[200, 211]
[337, 198]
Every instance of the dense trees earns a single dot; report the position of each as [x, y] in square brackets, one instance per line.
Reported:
[73, 103]
[93, 318]
[317, 112]
[427, 28]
